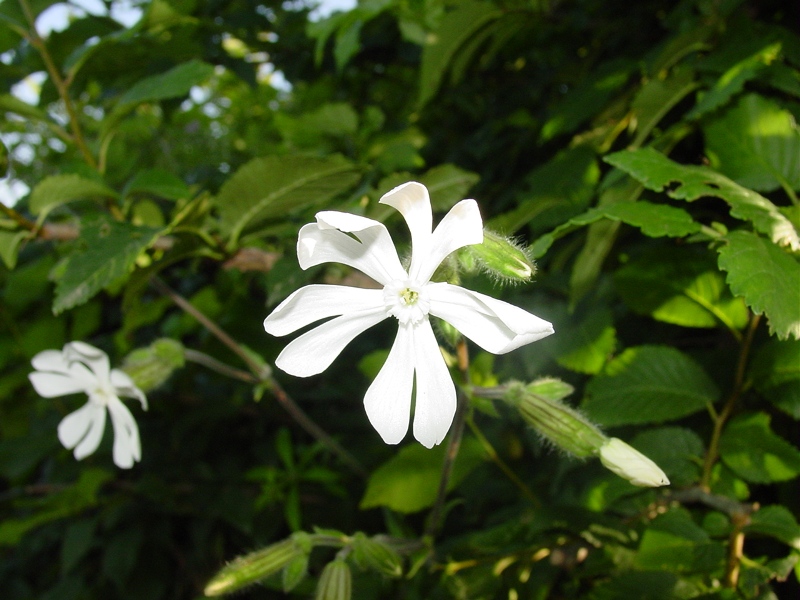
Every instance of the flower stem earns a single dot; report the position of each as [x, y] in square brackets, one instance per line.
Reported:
[453, 445]
[261, 374]
[738, 387]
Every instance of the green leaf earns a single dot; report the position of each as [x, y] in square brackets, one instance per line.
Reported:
[584, 344]
[109, 252]
[733, 79]
[654, 220]
[456, 28]
[56, 190]
[775, 371]
[757, 144]
[555, 191]
[9, 246]
[656, 98]
[752, 451]
[656, 172]
[174, 83]
[678, 451]
[9, 103]
[648, 384]
[766, 277]
[775, 521]
[159, 183]
[679, 286]
[268, 188]
[448, 185]
[673, 542]
[408, 482]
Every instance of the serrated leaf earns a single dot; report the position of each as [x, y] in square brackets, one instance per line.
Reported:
[757, 144]
[269, 187]
[679, 286]
[408, 482]
[656, 172]
[456, 28]
[56, 190]
[109, 253]
[775, 521]
[752, 451]
[766, 277]
[775, 371]
[648, 384]
[654, 220]
[174, 83]
[678, 451]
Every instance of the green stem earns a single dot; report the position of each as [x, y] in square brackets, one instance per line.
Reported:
[495, 457]
[263, 375]
[60, 84]
[721, 419]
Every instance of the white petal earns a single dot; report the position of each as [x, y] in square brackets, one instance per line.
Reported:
[388, 399]
[315, 350]
[436, 395]
[94, 358]
[50, 360]
[127, 447]
[126, 388]
[83, 429]
[315, 302]
[329, 240]
[496, 326]
[460, 227]
[414, 203]
[52, 385]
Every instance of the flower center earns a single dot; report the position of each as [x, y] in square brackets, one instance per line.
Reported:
[406, 300]
[101, 394]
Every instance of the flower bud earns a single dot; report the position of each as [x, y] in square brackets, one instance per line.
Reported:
[630, 464]
[151, 366]
[253, 567]
[500, 256]
[336, 582]
[373, 553]
[560, 424]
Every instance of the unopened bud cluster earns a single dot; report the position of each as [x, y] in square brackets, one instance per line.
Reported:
[540, 404]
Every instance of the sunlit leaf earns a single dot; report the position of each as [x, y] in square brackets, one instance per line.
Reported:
[750, 448]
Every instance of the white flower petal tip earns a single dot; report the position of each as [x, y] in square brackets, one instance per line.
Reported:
[79, 367]
[630, 464]
[407, 295]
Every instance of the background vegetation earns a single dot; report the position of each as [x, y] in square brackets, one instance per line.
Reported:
[649, 153]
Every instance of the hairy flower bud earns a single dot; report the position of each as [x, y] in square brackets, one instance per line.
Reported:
[336, 582]
[500, 256]
[630, 464]
[150, 367]
[253, 567]
[374, 553]
[539, 403]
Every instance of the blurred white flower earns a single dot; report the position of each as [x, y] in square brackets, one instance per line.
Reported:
[410, 297]
[80, 367]
[630, 464]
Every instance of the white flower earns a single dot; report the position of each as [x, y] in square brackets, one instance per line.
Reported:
[415, 362]
[630, 464]
[80, 367]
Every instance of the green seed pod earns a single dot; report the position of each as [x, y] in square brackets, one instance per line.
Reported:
[501, 257]
[253, 567]
[560, 424]
[150, 367]
[336, 582]
[375, 554]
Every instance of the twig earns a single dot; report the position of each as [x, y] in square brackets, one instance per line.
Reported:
[216, 365]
